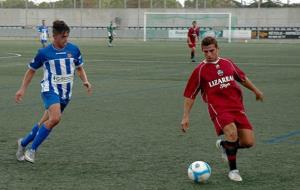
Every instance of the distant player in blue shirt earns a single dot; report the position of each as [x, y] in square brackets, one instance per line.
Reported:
[59, 61]
[44, 33]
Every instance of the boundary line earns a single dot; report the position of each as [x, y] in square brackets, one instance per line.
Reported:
[282, 138]
[12, 55]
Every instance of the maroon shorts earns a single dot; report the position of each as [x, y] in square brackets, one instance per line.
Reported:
[239, 118]
[192, 45]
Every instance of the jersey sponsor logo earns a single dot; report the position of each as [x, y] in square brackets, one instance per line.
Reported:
[220, 72]
[224, 82]
[69, 55]
[60, 53]
[62, 79]
[224, 85]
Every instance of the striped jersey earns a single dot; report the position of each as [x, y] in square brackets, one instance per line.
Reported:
[59, 67]
[43, 30]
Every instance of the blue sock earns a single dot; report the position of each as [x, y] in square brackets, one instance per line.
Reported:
[40, 137]
[30, 136]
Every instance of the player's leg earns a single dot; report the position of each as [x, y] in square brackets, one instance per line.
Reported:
[193, 53]
[43, 43]
[246, 138]
[23, 142]
[54, 113]
[110, 39]
[53, 107]
[30, 136]
[231, 144]
[224, 124]
[245, 130]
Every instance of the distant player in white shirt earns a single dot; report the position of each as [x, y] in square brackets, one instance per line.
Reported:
[110, 33]
[59, 61]
[44, 33]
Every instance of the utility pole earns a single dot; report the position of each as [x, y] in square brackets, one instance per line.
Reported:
[26, 12]
[258, 19]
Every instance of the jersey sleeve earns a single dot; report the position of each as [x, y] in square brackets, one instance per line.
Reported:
[78, 58]
[37, 61]
[239, 75]
[193, 85]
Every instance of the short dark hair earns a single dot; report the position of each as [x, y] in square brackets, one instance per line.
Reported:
[60, 27]
[208, 41]
[194, 22]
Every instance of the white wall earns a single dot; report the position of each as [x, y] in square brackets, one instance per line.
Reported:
[134, 17]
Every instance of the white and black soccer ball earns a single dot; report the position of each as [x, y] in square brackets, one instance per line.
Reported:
[199, 171]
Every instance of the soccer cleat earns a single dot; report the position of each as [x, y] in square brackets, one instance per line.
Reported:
[30, 155]
[222, 150]
[193, 60]
[20, 151]
[234, 175]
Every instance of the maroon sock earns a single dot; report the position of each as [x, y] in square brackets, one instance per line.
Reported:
[231, 151]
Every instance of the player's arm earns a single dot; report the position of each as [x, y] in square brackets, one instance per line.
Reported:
[187, 107]
[82, 75]
[189, 40]
[25, 83]
[189, 37]
[198, 34]
[248, 84]
[191, 90]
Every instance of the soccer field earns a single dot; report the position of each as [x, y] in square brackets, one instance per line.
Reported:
[126, 135]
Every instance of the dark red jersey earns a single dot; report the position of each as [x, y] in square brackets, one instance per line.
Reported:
[218, 86]
[193, 33]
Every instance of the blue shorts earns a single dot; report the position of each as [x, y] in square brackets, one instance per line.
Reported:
[50, 98]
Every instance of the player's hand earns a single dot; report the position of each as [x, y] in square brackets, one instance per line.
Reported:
[259, 96]
[185, 124]
[88, 87]
[19, 95]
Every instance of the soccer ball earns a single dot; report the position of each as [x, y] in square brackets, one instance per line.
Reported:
[199, 171]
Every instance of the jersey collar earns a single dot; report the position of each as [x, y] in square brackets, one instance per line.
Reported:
[62, 49]
[215, 62]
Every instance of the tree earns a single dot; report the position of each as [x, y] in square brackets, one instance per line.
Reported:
[67, 4]
[155, 3]
[14, 4]
[112, 3]
[266, 4]
[209, 3]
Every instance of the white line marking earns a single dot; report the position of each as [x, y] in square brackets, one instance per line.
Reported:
[11, 55]
[183, 62]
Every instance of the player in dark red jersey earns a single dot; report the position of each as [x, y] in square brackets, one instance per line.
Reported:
[192, 37]
[216, 78]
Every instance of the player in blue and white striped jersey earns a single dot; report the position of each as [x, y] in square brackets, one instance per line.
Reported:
[59, 61]
[44, 33]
